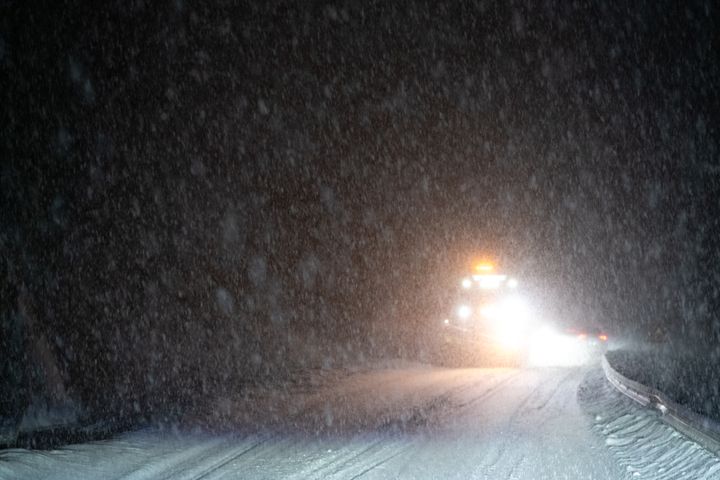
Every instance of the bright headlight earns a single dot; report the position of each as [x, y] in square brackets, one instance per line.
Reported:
[550, 348]
[514, 310]
[510, 338]
[509, 321]
[464, 311]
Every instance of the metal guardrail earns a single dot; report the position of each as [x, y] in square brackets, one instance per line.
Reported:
[700, 429]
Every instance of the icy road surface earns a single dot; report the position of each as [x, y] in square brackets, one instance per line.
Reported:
[408, 422]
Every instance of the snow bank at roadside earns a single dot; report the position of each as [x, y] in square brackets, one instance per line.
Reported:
[642, 443]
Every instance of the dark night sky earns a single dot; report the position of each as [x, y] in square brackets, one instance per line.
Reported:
[332, 167]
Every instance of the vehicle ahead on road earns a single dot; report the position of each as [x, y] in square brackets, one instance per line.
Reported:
[551, 346]
[594, 339]
[492, 324]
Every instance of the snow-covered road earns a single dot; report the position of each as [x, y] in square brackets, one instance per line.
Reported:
[409, 422]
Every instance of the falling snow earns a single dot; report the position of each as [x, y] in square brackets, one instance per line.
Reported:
[228, 230]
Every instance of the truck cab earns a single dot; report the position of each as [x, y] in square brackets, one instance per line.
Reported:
[489, 321]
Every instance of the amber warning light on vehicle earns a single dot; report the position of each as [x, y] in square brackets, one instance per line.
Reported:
[484, 267]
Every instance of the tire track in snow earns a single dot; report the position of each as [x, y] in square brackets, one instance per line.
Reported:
[488, 391]
[521, 410]
[419, 415]
[339, 461]
[509, 435]
[313, 412]
[194, 463]
[438, 406]
[170, 462]
[233, 455]
[376, 465]
[538, 398]
[541, 398]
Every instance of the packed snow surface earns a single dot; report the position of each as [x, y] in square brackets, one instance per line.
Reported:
[400, 421]
[643, 444]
